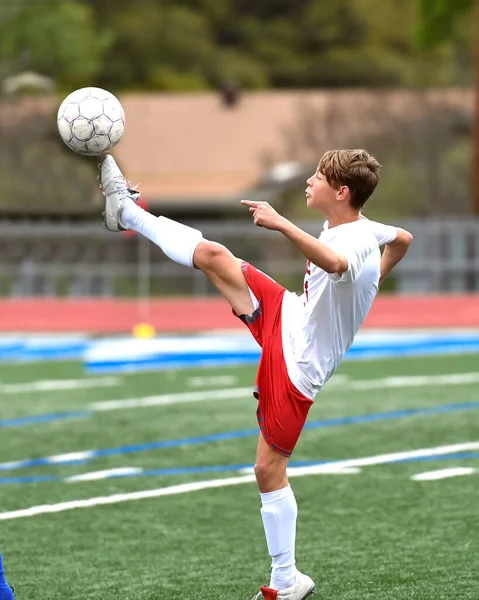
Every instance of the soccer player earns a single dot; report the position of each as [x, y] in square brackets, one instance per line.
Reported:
[303, 338]
[6, 592]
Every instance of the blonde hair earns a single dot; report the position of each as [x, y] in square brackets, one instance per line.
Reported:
[356, 169]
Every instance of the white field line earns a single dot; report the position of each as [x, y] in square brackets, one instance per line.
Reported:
[443, 474]
[339, 380]
[165, 399]
[338, 383]
[215, 483]
[117, 498]
[379, 459]
[56, 458]
[54, 385]
[97, 475]
[411, 381]
[213, 380]
[334, 470]
[71, 456]
[106, 474]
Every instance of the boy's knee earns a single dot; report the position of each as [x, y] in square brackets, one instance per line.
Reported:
[262, 470]
[208, 254]
[270, 474]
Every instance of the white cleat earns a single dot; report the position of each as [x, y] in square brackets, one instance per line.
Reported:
[303, 588]
[116, 190]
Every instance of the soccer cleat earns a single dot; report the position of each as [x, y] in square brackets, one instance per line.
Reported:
[116, 190]
[302, 588]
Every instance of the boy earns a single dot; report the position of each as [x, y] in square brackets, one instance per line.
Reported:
[304, 338]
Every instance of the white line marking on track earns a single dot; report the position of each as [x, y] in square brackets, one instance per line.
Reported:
[117, 498]
[54, 385]
[165, 399]
[338, 383]
[409, 381]
[341, 470]
[56, 458]
[443, 474]
[97, 475]
[380, 459]
[329, 469]
[213, 380]
[208, 484]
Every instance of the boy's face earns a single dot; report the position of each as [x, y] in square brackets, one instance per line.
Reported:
[319, 193]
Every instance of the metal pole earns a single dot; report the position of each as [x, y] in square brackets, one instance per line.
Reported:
[144, 276]
[475, 208]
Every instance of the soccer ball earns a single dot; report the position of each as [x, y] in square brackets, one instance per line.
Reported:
[91, 121]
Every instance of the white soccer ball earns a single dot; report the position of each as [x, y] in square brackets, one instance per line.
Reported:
[91, 121]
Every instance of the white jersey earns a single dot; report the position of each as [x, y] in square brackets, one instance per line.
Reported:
[319, 326]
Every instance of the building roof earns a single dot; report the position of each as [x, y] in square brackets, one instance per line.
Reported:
[190, 147]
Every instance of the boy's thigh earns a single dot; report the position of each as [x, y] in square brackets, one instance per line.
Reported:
[282, 408]
[253, 295]
[224, 271]
[268, 295]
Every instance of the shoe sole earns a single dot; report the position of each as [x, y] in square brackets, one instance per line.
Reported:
[118, 227]
[310, 593]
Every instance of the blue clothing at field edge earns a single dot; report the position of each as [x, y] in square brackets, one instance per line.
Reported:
[6, 592]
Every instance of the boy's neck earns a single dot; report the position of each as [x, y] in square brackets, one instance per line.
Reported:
[341, 218]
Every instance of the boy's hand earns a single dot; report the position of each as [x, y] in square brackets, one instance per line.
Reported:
[264, 215]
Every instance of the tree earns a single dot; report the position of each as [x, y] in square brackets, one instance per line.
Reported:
[439, 23]
[39, 174]
[56, 38]
[198, 44]
[439, 19]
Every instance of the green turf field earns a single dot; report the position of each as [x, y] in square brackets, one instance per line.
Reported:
[374, 534]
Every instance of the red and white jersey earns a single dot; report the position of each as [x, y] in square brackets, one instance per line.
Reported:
[319, 326]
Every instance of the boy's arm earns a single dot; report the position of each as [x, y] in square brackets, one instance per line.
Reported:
[394, 252]
[314, 250]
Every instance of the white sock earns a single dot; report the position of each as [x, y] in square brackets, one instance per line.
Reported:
[177, 241]
[279, 514]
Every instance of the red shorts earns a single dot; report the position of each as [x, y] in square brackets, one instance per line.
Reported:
[282, 408]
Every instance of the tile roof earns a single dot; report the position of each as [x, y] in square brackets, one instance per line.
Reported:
[191, 147]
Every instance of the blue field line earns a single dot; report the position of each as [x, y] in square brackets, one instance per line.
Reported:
[90, 455]
[419, 350]
[31, 479]
[224, 468]
[80, 414]
[216, 360]
[45, 347]
[51, 347]
[155, 364]
[396, 414]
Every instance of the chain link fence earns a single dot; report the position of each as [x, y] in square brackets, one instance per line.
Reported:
[422, 137]
[84, 260]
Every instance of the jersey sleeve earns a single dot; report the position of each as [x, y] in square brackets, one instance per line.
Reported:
[384, 233]
[356, 256]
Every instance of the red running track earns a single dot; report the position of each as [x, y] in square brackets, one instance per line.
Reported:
[186, 315]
